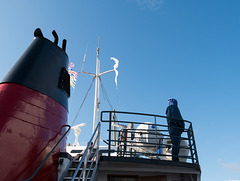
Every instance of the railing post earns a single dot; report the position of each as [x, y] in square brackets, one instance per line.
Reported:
[109, 141]
[189, 132]
[114, 127]
[194, 145]
[156, 136]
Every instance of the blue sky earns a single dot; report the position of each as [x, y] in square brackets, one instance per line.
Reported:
[187, 49]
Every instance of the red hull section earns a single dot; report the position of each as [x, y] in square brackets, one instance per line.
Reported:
[30, 126]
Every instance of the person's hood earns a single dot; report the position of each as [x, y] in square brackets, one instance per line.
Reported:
[172, 102]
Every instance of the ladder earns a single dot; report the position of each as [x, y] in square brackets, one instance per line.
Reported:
[86, 171]
[86, 168]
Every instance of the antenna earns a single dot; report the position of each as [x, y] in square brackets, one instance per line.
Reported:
[84, 58]
[97, 86]
[98, 47]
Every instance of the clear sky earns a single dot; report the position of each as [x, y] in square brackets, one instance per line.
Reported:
[187, 49]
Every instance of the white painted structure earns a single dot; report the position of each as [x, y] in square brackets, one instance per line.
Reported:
[77, 132]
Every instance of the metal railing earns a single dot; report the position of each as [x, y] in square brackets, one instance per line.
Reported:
[36, 171]
[90, 155]
[146, 136]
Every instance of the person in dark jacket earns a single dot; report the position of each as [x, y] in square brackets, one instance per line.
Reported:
[175, 126]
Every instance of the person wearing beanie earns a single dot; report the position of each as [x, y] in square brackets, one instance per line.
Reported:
[175, 126]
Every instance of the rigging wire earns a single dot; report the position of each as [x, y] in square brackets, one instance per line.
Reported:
[84, 59]
[105, 94]
[83, 102]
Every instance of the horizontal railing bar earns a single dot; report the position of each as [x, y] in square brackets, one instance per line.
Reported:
[159, 125]
[142, 114]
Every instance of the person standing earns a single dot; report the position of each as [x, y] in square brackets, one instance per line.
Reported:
[175, 126]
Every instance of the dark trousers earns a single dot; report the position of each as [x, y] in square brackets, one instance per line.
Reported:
[176, 144]
[175, 135]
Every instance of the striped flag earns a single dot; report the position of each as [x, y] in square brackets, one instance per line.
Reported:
[73, 75]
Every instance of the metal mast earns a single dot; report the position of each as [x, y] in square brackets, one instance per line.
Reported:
[97, 88]
[97, 91]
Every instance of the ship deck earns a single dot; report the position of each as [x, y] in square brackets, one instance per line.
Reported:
[138, 148]
[146, 165]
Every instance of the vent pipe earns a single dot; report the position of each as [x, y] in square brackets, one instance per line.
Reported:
[64, 43]
[55, 37]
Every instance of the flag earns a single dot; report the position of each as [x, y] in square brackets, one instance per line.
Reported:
[115, 68]
[73, 75]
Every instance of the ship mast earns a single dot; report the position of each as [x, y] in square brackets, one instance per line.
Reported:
[97, 88]
[97, 91]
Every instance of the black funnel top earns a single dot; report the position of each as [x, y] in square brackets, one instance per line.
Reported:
[42, 67]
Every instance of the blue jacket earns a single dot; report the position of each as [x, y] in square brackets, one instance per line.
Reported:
[176, 126]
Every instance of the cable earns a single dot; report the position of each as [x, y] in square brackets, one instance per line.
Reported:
[105, 94]
[82, 102]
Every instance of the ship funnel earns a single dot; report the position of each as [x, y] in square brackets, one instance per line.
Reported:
[34, 111]
[43, 67]
[55, 37]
